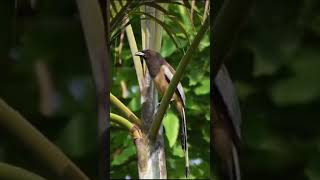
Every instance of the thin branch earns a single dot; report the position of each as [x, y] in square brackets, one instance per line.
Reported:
[121, 121]
[136, 59]
[124, 89]
[134, 49]
[38, 144]
[114, 7]
[46, 88]
[8, 171]
[120, 47]
[176, 78]
[121, 14]
[226, 26]
[193, 4]
[206, 11]
[135, 131]
[123, 108]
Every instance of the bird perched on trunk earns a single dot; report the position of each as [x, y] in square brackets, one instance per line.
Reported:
[162, 72]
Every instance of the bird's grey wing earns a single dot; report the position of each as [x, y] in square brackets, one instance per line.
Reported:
[169, 76]
[227, 91]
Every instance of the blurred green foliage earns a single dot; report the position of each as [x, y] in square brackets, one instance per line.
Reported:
[275, 66]
[196, 83]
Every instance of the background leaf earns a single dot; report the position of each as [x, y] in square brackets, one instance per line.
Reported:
[171, 125]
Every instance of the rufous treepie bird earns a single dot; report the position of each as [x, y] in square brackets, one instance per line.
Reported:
[162, 72]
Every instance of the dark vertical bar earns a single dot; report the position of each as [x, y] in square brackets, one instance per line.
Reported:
[94, 17]
[104, 164]
[105, 139]
[227, 21]
[212, 17]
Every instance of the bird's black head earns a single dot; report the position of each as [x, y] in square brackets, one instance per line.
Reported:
[147, 54]
[153, 60]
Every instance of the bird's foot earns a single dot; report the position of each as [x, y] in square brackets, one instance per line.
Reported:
[157, 108]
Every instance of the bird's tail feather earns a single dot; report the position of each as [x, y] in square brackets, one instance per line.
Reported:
[184, 144]
[231, 166]
[236, 165]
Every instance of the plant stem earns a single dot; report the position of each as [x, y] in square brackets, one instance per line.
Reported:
[126, 111]
[38, 144]
[176, 79]
[134, 49]
[136, 59]
[121, 121]
[8, 171]
[206, 9]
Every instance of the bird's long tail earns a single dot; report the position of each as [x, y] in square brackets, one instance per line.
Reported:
[236, 164]
[232, 167]
[183, 138]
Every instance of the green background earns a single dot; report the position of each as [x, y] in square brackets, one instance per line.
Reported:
[275, 66]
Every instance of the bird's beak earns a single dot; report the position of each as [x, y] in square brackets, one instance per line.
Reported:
[139, 54]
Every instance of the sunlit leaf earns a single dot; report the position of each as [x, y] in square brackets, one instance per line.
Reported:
[167, 47]
[204, 88]
[204, 43]
[177, 151]
[171, 125]
[207, 115]
[206, 135]
[134, 104]
[195, 77]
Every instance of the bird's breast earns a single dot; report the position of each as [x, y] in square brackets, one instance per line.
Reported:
[162, 84]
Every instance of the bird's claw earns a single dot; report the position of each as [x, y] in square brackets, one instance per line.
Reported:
[157, 107]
